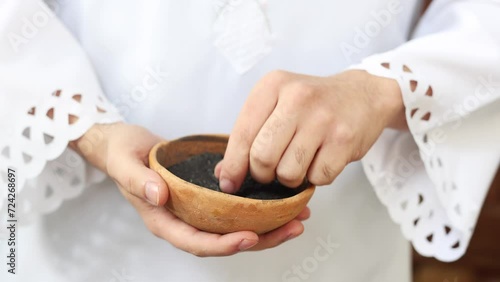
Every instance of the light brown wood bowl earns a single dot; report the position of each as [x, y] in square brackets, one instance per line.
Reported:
[214, 211]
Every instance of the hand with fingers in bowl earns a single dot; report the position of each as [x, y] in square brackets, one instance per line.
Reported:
[123, 155]
[292, 127]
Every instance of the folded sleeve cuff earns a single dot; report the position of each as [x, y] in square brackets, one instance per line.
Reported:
[435, 178]
[49, 95]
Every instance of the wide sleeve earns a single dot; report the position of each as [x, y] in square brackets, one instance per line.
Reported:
[49, 95]
[434, 178]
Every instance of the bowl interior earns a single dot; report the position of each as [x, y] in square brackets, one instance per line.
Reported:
[184, 148]
[213, 211]
[178, 150]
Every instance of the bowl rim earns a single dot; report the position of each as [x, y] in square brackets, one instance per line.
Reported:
[306, 193]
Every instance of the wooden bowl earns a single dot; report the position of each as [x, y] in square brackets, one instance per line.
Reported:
[214, 211]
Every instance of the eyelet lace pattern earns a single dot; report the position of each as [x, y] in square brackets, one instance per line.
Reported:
[47, 172]
[413, 179]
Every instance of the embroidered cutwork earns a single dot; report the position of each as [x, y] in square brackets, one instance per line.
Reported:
[49, 172]
[417, 187]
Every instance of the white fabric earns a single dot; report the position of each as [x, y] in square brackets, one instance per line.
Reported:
[434, 181]
[242, 34]
[180, 67]
[42, 74]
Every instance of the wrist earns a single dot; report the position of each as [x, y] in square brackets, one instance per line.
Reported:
[93, 145]
[387, 100]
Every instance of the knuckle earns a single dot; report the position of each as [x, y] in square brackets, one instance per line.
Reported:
[257, 157]
[156, 234]
[323, 117]
[343, 134]
[288, 176]
[275, 76]
[292, 172]
[272, 128]
[198, 252]
[154, 229]
[299, 94]
[129, 185]
[302, 89]
[324, 176]
[126, 183]
[300, 155]
[328, 173]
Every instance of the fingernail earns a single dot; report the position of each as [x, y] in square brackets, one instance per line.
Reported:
[246, 244]
[217, 170]
[227, 186]
[152, 194]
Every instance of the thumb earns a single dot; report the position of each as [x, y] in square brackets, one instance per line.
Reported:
[133, 176]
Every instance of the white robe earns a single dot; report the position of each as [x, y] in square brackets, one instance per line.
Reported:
[185, 67]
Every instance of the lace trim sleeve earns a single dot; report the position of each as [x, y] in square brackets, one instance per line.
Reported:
[49, 172]
[49, 95]
[434, 179]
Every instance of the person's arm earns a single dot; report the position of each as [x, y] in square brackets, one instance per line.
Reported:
[49, 95]
[434, 181]
[444, 84]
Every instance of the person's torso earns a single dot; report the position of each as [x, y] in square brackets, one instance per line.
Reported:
[183, 67]
[186, 67]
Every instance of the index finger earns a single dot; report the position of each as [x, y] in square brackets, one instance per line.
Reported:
[258, 107]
